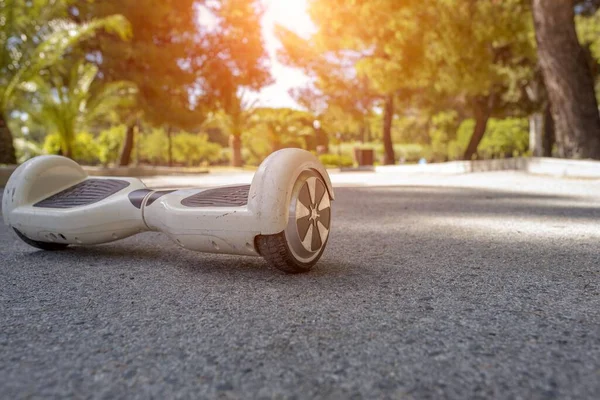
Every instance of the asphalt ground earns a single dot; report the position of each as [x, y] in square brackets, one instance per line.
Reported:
[472, 286]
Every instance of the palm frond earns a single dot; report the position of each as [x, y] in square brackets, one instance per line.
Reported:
[62, 36]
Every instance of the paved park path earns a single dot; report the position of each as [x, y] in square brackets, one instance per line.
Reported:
[461, 286]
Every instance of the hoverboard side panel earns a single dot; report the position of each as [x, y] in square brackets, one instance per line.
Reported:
[37, 179]
[49, 181]
[111, 219]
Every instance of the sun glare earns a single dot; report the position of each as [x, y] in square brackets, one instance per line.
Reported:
[291, 14]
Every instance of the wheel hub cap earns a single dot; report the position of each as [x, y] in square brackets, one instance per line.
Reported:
[313, 214]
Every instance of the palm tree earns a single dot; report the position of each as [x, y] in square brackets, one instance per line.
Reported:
[33, 39]
[234, 119]
[66, 105]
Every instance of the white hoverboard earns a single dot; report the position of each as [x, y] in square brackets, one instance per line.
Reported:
[283, 216]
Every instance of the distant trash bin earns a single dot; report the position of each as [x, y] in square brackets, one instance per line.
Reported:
[364, 157]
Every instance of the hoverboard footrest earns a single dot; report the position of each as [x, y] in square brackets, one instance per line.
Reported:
[84, 193]
[233, 196]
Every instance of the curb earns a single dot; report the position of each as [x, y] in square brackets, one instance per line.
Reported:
[540, 166]
[556, 167]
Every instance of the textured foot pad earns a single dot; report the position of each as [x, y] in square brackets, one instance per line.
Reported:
[235, 196]
[87, 192]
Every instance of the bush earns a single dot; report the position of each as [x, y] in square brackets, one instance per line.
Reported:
[154, 147]
[255, 148]
[85, 149]
[190, 149]
[110, 142]
[52, 144]
[187, 148]
[507, 137]
[408, 152]
[334, 160]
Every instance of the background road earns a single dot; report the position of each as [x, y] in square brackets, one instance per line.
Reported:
[468, 286]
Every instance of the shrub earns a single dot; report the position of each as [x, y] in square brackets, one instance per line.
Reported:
[190, 149]
[85, 149]
[503, 138]
[110, 142]
[187, 148]
[52, 144]
[409, 152]
[335, 160]
[154, 147]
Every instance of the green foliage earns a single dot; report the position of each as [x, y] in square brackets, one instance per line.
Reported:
[431, 55]
[154, 147]
[110, 142]
[35, 36]
[171, 55]
[409, 153]
[270, 130]
[192, 150]
[442, 134]
[27, 149]
[62, 101]
[187, 149]
[85, 149]
[335, 160]
[59, 36]
[588, 31]
[504, 138]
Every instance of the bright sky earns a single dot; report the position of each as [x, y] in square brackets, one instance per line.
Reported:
[291, 14]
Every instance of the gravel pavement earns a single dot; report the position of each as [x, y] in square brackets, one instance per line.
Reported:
[469, 286]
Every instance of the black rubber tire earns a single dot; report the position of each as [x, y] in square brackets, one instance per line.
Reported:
[41, 245]
[275, 249]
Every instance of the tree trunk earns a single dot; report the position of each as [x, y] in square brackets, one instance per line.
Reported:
[7, 149]
[235, 144]
[125, 158]
[568, 79]
[482, 110]
[362, 132]
[68, 150]
[388, 146]
[321, 139]
[170, 149]
[310, 143]
[536, 134]
[548, 138]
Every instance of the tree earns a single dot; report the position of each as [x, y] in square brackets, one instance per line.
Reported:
[34, 36]
[379, 60]
[182, 69]
[273, 129]
[481, 53]
[163, 41]
[63, 101]
[336, 76]
[475, 53]
[313, 100]
[233, 61]
[568, 80]
[234, 118]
